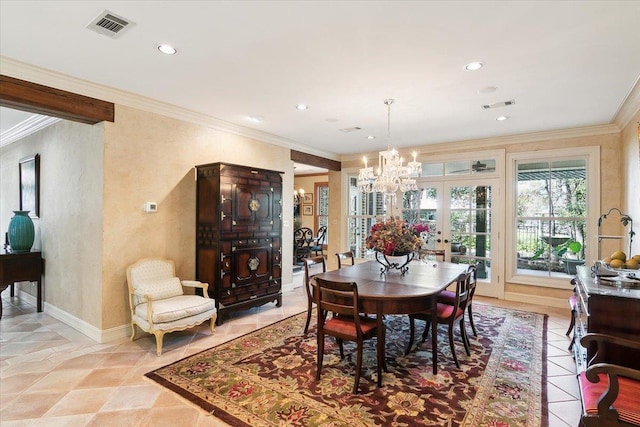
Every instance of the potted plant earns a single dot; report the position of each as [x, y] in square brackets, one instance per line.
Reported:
[571, 254]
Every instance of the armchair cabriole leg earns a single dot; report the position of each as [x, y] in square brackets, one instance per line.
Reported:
[159, 335]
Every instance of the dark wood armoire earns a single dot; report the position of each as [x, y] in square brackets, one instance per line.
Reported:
[239, 235]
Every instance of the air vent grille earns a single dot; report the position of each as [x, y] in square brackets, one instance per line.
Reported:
[110, 24]
[498, 104]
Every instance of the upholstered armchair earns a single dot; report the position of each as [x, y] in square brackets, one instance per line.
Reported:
[158, 302]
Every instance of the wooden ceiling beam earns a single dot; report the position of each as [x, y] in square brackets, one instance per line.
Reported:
[317, 161]
[40, 99]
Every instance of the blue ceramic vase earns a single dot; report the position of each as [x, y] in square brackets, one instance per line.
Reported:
[21, 232]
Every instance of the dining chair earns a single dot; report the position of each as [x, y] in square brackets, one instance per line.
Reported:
[343, 256]
[302, 240]
[346, 324]
[311, 268]
[449, 297]
[436, 253]
[446, 314]
[318, 245]
[609, 393]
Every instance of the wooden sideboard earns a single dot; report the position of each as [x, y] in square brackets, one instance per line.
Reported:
[21, 267]
[606, 308]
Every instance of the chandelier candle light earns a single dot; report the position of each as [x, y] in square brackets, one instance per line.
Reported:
[391, 174]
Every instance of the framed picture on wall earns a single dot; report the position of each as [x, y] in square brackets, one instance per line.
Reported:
[307, 210]
[308, 199]
[30, 185]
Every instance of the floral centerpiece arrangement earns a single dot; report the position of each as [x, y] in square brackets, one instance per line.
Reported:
[394, 236]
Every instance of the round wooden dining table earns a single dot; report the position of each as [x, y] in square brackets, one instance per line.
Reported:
[396, 293]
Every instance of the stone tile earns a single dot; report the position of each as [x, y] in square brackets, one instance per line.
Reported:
[30, 405]
[132, 397]
[80, 402]
[118, 418]
[103, 378]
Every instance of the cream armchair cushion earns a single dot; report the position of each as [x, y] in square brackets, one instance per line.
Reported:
[159, 304]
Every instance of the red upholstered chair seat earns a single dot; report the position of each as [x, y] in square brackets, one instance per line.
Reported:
[445, 310]
[447, 297]
[627, 404]
[346, 326]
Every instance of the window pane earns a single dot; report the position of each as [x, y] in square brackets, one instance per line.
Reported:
[432, 169]
[461, 167]
[483, 166]
[556, 193]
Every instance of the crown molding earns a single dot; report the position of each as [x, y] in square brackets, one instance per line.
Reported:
[24, 71]
[501, 141]
[630, 106]
[32, 125]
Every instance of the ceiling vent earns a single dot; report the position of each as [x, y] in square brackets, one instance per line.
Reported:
[347, 130]
[109, 24]
[498, 104]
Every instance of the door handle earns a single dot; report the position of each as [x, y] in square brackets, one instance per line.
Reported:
[446, 241]
[439, 240]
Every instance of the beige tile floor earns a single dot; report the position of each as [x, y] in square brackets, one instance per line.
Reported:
[51, 375]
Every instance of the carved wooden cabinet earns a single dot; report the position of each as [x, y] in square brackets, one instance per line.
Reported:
[239, 235]
[609, 309]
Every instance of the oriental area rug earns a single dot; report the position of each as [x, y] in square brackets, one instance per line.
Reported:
[267, 377]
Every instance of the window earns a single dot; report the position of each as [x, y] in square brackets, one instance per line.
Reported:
[322, 214]
[553, 205]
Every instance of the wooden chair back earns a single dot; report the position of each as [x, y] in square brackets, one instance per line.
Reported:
[343, 256]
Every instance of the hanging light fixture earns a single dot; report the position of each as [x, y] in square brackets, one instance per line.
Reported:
[391, 175]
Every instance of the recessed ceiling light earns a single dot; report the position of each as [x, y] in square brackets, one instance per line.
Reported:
[502, 118]
[302, 107]
[371, 137]
[473, 66]
[167, 49]
[257, 119]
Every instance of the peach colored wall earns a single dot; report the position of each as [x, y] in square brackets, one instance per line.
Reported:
[631, 166]
[70, 223]
[149, 157]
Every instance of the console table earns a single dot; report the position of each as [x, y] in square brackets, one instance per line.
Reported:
[603, 307]
[21, 267]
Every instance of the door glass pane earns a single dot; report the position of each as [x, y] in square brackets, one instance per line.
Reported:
[470, 223]
[323, 210]
[422, 207]
[364, 209]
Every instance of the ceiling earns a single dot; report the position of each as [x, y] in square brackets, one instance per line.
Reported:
[565, 63]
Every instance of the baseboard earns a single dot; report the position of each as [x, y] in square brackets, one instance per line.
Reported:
[98, 335]
[536, 299]
[287, 287]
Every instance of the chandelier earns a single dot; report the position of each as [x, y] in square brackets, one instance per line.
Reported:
[391, 175]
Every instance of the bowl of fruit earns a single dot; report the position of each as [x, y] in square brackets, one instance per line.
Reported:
[619, 261]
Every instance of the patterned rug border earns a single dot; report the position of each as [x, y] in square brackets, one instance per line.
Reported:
[197, 401]
[232, 420]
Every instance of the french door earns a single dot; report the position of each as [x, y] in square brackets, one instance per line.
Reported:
[465, 221]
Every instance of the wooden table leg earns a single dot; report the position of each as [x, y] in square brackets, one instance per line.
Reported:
[434, 339]
[39, 295]
[380, 343]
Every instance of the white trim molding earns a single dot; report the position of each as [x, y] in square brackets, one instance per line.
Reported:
[21, 70]
[23, 129]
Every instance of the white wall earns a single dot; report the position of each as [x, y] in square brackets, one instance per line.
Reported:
[70, 223]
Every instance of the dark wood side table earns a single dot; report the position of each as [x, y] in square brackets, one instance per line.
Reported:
[21, 267]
